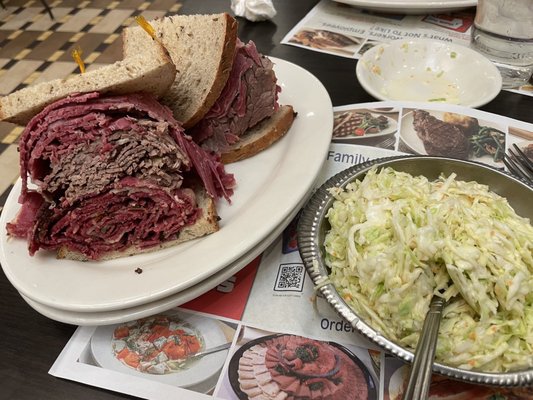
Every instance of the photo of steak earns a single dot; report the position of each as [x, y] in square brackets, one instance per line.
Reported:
[358, 124]
[440, 138]
[250, 96]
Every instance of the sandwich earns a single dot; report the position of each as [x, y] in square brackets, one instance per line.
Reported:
[225, 92]
[106, 169]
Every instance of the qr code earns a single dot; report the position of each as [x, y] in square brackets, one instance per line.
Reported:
[290, 278]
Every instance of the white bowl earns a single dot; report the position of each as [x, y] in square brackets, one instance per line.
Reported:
[428, 71]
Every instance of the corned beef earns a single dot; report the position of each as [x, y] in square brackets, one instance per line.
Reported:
[250, 95]
[87, 125]
[130, 212]
[110, 172]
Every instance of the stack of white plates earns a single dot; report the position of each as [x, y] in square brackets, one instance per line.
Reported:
[271, 188]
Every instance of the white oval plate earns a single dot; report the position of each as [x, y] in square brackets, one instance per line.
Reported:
[411, 6]
[270, 185]
[198, 372]
[428, 71]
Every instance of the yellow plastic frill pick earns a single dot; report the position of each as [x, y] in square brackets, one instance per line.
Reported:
[146, 26]
[76, 55]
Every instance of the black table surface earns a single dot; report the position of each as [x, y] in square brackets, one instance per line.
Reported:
[30, 342]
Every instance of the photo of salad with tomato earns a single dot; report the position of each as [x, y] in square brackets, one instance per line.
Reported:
[157, 345]
[350, 124]
[165, 348]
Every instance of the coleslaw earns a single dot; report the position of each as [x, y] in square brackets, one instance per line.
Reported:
[397, 240]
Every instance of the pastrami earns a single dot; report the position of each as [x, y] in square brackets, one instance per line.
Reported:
[250, 95]
[110, 172]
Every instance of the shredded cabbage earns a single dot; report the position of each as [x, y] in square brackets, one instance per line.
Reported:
[397, 240]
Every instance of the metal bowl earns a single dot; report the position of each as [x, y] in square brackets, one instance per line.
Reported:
[313, 226]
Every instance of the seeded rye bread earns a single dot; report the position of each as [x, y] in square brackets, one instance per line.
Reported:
[205, 225]
[261, 136]
[152, 72]
[202, 47]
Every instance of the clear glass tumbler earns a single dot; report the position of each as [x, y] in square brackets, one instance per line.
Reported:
[503, 32]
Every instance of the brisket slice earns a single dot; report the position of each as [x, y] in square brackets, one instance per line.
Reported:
[440, 138]
[130, 212]
[250, 95]
[80, 144]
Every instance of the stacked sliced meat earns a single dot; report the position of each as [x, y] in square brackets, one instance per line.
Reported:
[297, 368]
[110, 173]
[250, 96]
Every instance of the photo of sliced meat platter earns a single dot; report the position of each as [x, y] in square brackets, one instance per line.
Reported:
[285, 366]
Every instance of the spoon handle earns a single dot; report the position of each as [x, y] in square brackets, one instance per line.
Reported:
[420, 376]
[215, 349]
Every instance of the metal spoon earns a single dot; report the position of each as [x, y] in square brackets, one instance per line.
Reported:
[420, 376]
[218, 348]
[212, 350]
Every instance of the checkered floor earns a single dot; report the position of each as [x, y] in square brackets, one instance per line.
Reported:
[36, 48]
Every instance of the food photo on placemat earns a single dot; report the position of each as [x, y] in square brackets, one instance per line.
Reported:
[439, 133]
[172, 347]
[372, 127]
[283, 366]
[329, 41]
[396, 378]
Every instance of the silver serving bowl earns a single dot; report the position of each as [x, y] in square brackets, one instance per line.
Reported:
[313, 226]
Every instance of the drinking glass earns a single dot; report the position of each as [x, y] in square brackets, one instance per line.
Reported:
[503, 32]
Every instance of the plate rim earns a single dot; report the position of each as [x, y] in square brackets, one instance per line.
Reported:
[370, 54]
[411, 5]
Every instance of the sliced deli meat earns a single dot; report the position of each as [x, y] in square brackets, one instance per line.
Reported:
[249, 97]
[225, 91]
[299, 368]
[113, 136]
[112, 173]
[130, 212]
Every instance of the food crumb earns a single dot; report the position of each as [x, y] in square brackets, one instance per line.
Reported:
[139, 271]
